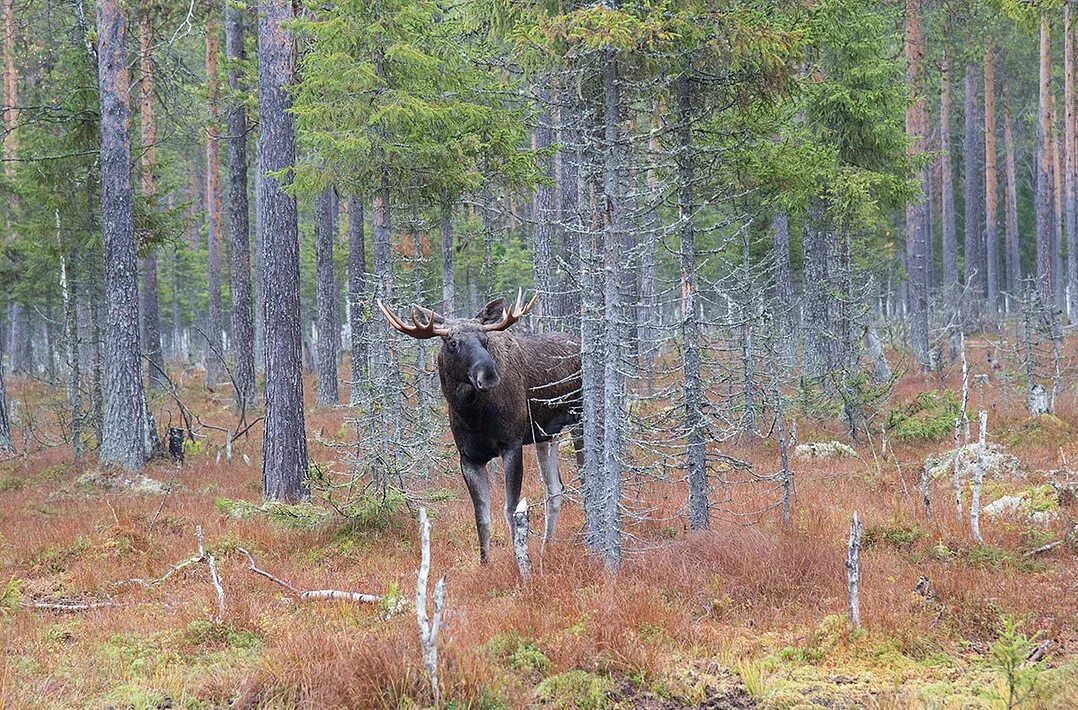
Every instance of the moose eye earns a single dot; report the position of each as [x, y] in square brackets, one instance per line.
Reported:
[451, 344]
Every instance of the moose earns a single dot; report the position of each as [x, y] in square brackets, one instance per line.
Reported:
[504, 390]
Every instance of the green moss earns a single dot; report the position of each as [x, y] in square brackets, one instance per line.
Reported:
[518, 652]
[929, 417]
[999, 558]
[205, 633]
[10, 484]
[1041, 430]
[1041, 499]
[576, 690]
[896, 534]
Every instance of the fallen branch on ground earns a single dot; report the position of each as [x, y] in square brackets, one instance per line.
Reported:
[1044, 548]
[68, 606]
[316, 594]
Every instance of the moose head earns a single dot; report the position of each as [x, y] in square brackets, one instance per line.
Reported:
[466, 349]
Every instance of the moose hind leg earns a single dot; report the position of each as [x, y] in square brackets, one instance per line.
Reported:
[475, 475]
[513, 463]
[547, 453]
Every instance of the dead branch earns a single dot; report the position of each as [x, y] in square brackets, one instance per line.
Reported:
[317, 594]
[68, 606]
[1043, 548]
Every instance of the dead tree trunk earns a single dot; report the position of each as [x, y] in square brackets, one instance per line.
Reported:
[446, 229]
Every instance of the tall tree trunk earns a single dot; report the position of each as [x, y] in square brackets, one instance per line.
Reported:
[325, 229]
[238, 220]
[916, 238]
[1056, 187]
[10, 150]
[11, 101]
[1042, 197]
[1013, 257]
[122, 441]
[214, 319]
[546, 214]
[1070, 164]
[446, 227]
[151, 315]
[359, 309]
[991, 183]
[647, 318]
[971, 226]
[695, 427]
[284, 445]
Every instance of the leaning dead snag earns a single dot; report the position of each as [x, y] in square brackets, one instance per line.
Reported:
[520, 538]
[853, 564]
[428, 629]
[214, 577]
[978, 478]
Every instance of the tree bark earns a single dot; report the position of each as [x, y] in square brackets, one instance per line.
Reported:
[1042, 197]
[359, 310]
[991, 183]
[916, 237]
[1070, 164]
[151, 315]
[122, 441]
[325, 223]
[284, 446]
[214, 363]
[1013, 257]
[696, 461]
[950, 239]
[546, 215]
[446, 227]
[238, 211]
[971, 223]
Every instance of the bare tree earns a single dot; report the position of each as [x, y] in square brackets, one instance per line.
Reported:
[1042, 198]
[971, 222]
[950, 239]
[358, 307]
[916, 233]
[991, 183]
[214, 365]
[1013, 270]
[284, 447]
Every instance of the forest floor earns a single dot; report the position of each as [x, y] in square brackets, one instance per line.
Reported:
[748, 614]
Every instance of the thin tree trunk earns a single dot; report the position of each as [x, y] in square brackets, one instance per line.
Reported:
[238, 213]
[1070, 152]
[151, 316]
[214, 319]
[916, 238]
[325, 221]
[284, 447]
[1013, 258]
[1042, 198]
[971, 227]
[545, 213]
[446, 227]
[122, 441]
[10, 150]
[696, 461]
[358, 311]
[991, 180]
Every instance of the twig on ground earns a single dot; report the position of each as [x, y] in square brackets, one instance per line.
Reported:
[317, 594]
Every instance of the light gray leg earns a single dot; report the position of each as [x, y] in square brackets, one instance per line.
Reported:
[548, 466]
[513, 462]
[479, 489]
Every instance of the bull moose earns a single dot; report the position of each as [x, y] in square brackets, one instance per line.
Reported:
[504, 390]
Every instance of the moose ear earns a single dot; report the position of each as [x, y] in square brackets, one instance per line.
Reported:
[492, 312]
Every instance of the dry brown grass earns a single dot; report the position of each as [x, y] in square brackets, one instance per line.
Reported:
[746, 589]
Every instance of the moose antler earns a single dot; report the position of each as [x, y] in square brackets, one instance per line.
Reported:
[418, 330]
[512, 315]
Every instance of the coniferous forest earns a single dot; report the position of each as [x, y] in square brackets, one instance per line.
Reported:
[531, 354]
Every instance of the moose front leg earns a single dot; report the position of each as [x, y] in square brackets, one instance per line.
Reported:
[513, 463]
[475, 475]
